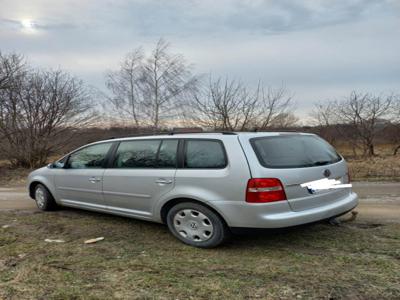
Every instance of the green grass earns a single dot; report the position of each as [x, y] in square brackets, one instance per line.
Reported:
[141, 260]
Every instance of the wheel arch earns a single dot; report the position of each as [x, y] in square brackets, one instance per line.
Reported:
[34, 184]
[32, 187]
[172, 202]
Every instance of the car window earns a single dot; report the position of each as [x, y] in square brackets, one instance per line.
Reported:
[90, 157]
[137, 154]
[204, 154]
[167, 154]
[294, 151]
[59, 164]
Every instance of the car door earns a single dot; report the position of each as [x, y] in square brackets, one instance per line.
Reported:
[79, 183]
[142, 171]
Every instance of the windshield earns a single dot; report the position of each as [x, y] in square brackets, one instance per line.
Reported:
[294, 151]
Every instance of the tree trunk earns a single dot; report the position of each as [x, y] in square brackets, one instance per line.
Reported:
[371, 150]
[396, 150]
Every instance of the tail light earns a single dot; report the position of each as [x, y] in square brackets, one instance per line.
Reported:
[261, 190]
[348, 176]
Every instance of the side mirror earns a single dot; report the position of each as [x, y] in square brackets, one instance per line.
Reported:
[56, 165]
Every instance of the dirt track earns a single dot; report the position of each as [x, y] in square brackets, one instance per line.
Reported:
[378, 201]
[15, 198]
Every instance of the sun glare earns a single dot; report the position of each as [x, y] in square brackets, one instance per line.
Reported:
[28, 25]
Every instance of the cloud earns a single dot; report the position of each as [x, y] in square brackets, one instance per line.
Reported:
[285, 15]
[153, 17]
[319, 49]
[7, 24]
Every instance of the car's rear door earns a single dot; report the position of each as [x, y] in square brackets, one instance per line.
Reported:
[296, 159]
[79, 183]
[142, 171]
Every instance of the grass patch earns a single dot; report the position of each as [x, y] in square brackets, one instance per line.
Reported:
[142, 260]
[382, 167]
[12, 176]
[379, 168]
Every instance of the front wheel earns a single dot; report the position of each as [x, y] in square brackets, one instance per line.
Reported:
[196, 225]
[44, 200]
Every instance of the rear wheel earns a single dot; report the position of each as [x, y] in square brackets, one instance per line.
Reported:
[44, 200]
[196, 225]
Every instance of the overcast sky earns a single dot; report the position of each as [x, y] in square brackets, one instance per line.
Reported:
[319, 49]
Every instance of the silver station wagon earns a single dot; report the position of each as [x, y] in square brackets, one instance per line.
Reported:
[201, 185]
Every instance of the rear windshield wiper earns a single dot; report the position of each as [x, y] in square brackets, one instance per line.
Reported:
[321, 162]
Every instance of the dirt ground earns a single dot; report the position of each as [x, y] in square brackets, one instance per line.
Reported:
[142, 260]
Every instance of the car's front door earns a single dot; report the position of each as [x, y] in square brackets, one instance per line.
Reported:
[79, 183]
[142, 171]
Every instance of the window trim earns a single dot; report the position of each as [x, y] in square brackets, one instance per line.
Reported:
[103, 166]
[176, 155]
[113, 155]
[184, 149]
[262, 163]
[109, 162]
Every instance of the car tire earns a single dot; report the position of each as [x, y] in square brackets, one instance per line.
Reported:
[196, 225]
[43, 198]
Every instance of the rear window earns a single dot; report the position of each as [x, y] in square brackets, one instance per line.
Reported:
[294, 151]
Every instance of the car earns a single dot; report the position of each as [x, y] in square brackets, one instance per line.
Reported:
[201, 185]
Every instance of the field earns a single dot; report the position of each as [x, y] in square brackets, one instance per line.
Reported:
[379, 168]
[382, 167]
[142, 260]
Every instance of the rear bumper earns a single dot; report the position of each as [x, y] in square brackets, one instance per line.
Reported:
[278, 215]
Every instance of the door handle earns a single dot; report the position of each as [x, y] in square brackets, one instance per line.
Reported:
[94, 179]
[163, 181]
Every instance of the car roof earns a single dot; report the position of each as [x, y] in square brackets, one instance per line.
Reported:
[203, 135]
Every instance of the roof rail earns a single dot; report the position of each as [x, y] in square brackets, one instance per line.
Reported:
[204, 132]
[171, 133]
[145, 134]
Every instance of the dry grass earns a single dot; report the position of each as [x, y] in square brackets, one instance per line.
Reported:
[382, 167]
[383, 150]
[375, 168]
[141, 260]
[12, 176]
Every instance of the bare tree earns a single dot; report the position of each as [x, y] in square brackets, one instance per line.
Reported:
[166, 81]
[124, 85]
[285, 120]
[225, 105]
[393, 131]
[324, 119]
[151, 88]
[392, 135]
[12, 66]
[37, 114]
[360, 118]
[322, 114]
[229, 105]
[274, 106]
